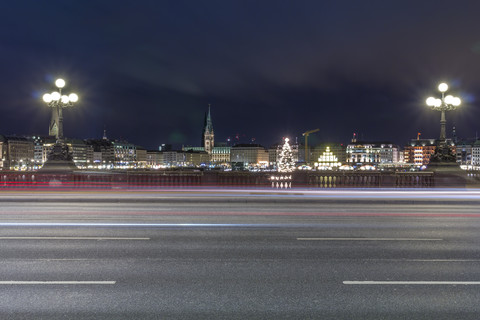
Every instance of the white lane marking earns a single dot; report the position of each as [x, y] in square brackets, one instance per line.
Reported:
[411, 282]
[421, 260]
[440, 260]
[367, 239]
[57, 282]
[161, 225]
[71, 238]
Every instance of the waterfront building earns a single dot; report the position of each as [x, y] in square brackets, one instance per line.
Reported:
[476, 153]
[195, 158]
[155, 159]
[40, 152]
[17, 153]
[248, 156]
[220, 155]
[372, 153]
[464, 151]
[273, 154]
[419, 151]
[103, 154]
[82, 153]
[125, 154]
[173, 158]
[140, 157]
[3, 151]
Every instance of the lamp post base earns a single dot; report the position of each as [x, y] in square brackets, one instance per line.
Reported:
[59, 160]
[443, 153]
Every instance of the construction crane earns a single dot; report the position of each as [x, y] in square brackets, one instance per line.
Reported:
[306, 134]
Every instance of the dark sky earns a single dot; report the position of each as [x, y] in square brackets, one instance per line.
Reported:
[147, 70]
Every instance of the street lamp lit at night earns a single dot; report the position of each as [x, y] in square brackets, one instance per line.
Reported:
[445, 103]
[60, 157]
[57, 101]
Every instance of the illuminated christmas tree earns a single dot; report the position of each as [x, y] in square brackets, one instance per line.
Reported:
[285, 159]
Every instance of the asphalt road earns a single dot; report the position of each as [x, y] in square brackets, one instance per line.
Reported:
[210, 254]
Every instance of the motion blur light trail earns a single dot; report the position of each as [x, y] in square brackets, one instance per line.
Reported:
[155, 203]
[199, 192]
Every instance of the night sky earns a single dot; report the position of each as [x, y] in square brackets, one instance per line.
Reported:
[147, 70]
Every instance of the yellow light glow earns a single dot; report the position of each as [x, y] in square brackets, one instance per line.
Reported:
[430, 101]
[73, 97]
[55, 96]
[443, 87]
[47, 97]
[456, 101]
[60, 83]
[449, 99]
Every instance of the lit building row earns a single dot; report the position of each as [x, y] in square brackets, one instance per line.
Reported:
[30, 153]
[373, 153]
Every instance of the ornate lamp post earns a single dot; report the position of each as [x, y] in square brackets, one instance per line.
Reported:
[446, 103]
[57, 102]
[59, 158]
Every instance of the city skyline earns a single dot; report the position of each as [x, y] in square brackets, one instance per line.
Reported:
[147, 72]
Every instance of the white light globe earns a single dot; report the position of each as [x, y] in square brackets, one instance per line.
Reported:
[47, 97]
[55, 96]
[456, 101]
[430, 101]
[65, 99]
[442, 87]
[73, 97]
[60, 83]
[449, 99]
[437, 103]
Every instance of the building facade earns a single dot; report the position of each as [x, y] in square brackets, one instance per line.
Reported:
[18, 153]
[82, 152]
[220, 156]
[419, 151]
[103, 154]
[125, 154]
[155, 159]
[476, 153]
[372, 153]
[464, 151]
[141, 157]
[249, 156]
[3, 151]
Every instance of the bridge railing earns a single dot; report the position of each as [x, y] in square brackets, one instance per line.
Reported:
[309, 179]
[327, 179]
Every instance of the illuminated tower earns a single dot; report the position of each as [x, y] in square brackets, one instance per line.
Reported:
[207, 136]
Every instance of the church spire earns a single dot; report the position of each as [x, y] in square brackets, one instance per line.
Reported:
[207, 136]
[105, 133]
[208, 124]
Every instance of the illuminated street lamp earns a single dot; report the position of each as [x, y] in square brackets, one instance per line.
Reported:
[446, 103]
[57, 101]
